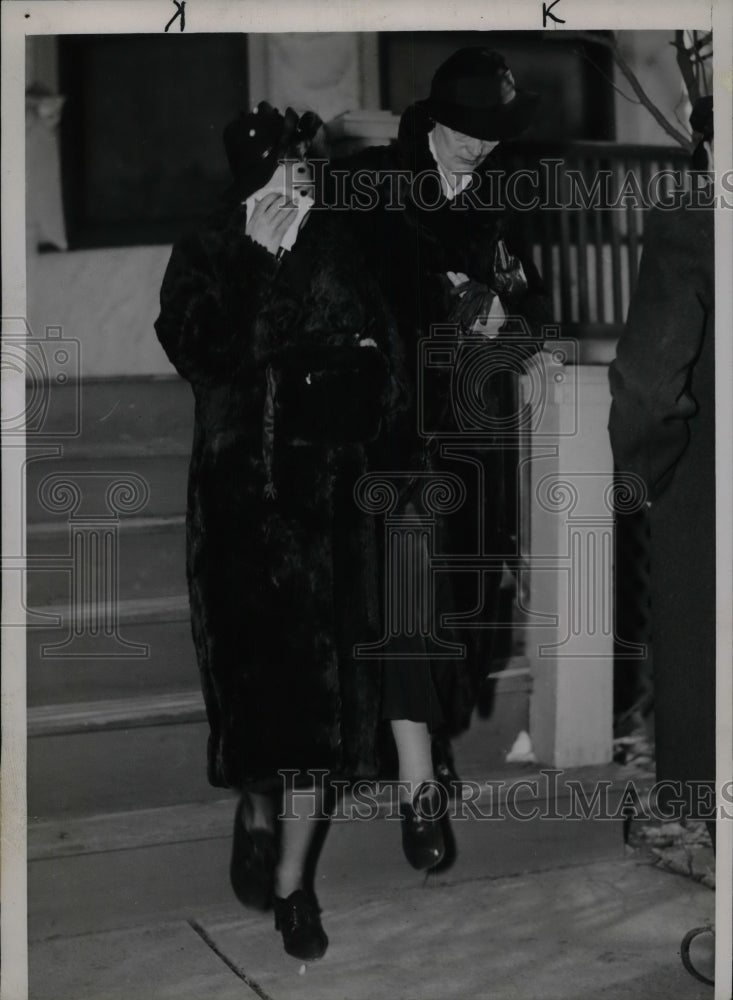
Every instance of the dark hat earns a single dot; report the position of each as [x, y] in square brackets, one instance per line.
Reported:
[701, 118]
[473, 92]
[257, 140]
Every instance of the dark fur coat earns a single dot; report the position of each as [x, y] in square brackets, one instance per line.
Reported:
[281, 563]
[413, 236]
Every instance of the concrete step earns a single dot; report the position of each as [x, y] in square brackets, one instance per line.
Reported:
[167, 662]
[124, 868]
[93, 769]
[162, 477]
[116, 713]
[150, 555]
[118, 416]
[150, 749]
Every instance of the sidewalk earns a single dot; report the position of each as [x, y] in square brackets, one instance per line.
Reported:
[531, 910]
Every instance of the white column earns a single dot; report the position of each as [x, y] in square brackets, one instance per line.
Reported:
[567, 483]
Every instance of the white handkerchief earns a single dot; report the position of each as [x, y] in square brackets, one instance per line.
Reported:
[304, 203]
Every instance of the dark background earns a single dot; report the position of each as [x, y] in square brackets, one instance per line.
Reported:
[141, 149]
[142, 157]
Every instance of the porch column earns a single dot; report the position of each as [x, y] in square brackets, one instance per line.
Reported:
[567, 491]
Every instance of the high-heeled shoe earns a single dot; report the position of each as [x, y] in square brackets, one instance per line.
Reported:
[253, 863]
[422, 837]
[298, 920]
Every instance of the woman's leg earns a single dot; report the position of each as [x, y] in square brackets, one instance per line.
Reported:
[414, 753]
[261, 812]
[296, 910]
[302, 811]
[422, 836]
[254, 848]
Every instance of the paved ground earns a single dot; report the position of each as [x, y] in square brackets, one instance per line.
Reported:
[610, 929]
[529, 911]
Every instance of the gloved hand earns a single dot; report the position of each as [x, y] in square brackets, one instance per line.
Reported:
[508, 279]
[469, 300]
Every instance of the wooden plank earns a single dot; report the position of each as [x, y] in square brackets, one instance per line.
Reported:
[566, 304]
[597, 237]
[616, 263]
[632, 215]
[583, 286]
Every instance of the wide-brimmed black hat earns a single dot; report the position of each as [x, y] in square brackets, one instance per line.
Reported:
[473, 92]
[257, 140]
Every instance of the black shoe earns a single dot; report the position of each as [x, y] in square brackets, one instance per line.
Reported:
[422, 837]
[297, 918]
[254, 859]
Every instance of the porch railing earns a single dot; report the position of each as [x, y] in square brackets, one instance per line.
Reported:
[587, 230]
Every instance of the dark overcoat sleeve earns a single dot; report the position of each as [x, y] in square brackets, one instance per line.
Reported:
[211, 293]
[650, 377]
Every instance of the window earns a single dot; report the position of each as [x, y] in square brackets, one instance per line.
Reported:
[141, 151]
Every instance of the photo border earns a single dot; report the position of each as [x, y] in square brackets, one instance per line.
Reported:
[42, 17]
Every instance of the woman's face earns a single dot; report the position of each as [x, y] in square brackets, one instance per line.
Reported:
[459, 153]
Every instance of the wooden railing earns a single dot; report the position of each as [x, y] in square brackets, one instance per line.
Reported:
[589, 254]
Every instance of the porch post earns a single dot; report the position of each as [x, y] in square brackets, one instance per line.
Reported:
[567, 547]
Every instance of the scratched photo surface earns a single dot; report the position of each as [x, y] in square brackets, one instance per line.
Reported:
[365, 451]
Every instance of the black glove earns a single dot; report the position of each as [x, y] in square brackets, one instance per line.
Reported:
[469, 301]
[508, 279]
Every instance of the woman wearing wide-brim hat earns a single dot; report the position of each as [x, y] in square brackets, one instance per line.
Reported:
[441, 245]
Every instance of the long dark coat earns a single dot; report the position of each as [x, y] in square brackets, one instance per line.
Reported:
[662, 429]
[413, 237]
[280, 562]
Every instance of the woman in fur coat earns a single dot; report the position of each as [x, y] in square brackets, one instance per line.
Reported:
[270, 314]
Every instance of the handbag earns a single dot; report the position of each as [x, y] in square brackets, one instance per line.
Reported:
[323, 397]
